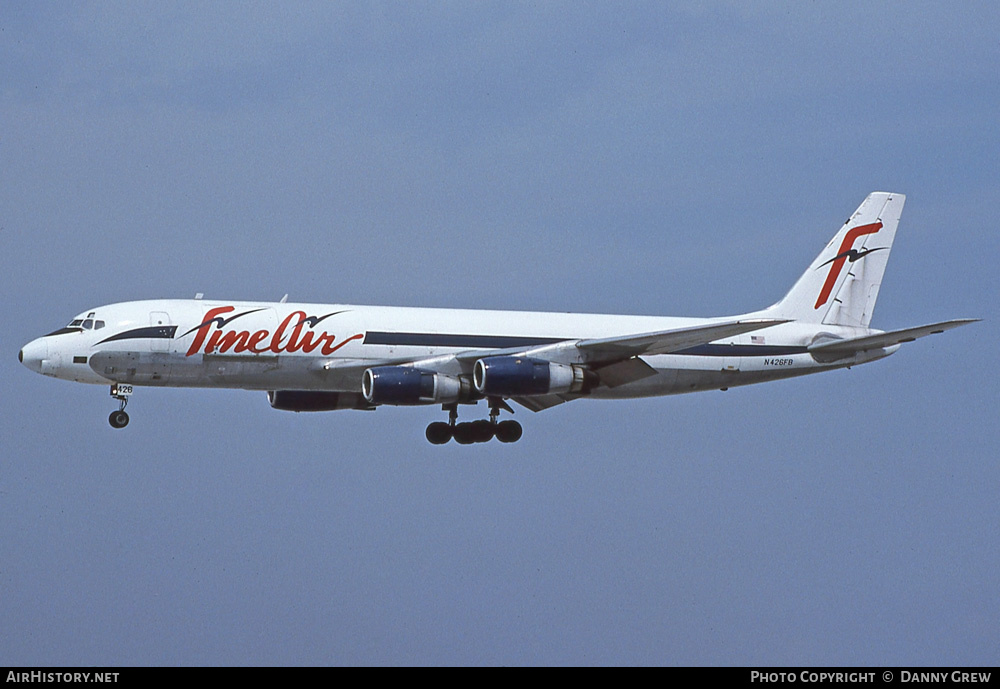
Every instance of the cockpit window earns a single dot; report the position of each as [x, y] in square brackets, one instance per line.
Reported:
[78, 325]
[88, 323]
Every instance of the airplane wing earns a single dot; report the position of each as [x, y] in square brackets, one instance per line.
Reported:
[619, 348]
[615, 359]
[828, 352]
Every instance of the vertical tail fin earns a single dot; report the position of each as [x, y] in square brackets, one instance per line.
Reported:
[841, 285]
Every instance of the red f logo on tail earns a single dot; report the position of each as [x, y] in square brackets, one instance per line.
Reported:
[846, 252]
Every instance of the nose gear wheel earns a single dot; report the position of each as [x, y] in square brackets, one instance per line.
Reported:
[121, 392]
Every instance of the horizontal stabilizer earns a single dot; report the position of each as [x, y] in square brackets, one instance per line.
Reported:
[667, 341]
[826, 352]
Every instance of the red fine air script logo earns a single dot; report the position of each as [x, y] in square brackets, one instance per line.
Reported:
[846, 253]
[290, 336]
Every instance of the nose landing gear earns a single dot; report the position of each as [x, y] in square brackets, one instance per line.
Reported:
[121, 392]
[510, 431]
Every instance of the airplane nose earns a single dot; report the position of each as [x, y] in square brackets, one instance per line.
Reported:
[32, 354]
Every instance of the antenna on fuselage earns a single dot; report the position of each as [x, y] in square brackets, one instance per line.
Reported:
[283, 299]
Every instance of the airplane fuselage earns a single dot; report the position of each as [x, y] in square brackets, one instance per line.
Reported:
[282, 346]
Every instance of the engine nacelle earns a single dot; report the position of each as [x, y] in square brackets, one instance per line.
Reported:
[518, 376]
[315, 400]
[401, 385]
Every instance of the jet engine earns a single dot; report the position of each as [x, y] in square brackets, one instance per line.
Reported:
[517, 376]
[401, 385]
[315, 400]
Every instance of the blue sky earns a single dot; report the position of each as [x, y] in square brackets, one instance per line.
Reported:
[641, 158]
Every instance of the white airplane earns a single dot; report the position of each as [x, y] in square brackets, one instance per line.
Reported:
[322, 357]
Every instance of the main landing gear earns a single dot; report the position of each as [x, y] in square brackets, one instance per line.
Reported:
[121, 392]
[439, 432]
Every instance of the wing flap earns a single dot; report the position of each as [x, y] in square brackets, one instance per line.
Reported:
[342, 374]
[538, 403]
[623, 372]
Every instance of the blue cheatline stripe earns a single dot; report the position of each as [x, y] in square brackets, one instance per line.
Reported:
[63, 331]
[742, 350]
[150, 332]
[505, 341]
[455, 340]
